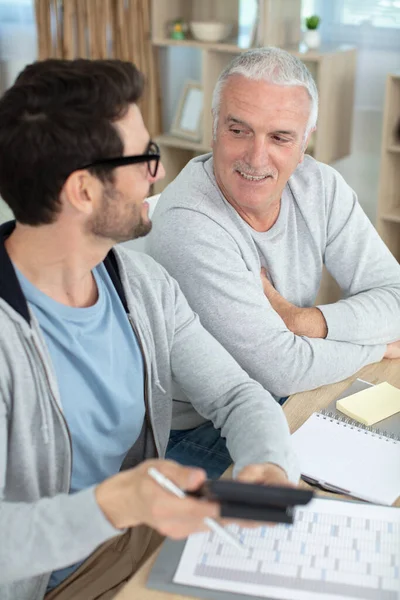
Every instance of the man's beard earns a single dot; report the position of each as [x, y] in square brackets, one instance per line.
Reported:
[111, 222]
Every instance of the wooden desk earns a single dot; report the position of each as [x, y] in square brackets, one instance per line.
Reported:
[298, 408]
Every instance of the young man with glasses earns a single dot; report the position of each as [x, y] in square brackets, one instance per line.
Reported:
[92, 340]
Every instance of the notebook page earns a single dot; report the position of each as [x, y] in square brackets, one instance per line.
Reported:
[364, 463]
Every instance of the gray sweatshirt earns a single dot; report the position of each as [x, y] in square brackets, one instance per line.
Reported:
[43, 527]
[216, 257]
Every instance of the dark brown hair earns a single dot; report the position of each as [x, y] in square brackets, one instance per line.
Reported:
[57, 117]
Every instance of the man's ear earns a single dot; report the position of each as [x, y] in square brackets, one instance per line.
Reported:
[305, 145]
[81, 191]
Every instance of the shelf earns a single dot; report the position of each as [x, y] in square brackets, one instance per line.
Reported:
[276, 23]
[301, 51]
[394, 148]
[393, 215]
[230, 46]
[174, 141]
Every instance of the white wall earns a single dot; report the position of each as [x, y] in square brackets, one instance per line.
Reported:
[5, 212]
[361, 168]
[372, 69]
[378, 51]
[177, 65]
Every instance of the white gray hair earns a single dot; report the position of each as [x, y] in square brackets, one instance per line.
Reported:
[273, 65]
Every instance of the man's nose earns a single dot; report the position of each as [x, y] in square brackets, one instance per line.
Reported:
[258, 154]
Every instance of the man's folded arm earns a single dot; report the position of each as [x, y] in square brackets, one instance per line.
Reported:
[366, 271]
[232, 306]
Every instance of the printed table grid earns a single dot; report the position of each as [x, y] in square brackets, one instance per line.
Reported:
[326, 553]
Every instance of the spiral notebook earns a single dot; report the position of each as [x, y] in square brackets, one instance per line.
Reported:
[340, 455]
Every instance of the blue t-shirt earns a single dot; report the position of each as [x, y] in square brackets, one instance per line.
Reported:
[99, 369]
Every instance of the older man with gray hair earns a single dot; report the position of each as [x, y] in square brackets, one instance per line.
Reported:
[247, 230]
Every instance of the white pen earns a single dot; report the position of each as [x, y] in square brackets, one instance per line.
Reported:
[167, 484]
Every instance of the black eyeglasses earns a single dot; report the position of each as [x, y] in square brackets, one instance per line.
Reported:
[152, 157]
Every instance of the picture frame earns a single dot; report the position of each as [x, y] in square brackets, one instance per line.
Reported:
[188, 118]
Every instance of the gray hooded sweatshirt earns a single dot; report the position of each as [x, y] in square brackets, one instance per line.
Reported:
[42, 526]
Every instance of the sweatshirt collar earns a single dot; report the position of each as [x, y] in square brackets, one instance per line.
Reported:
[10, 289]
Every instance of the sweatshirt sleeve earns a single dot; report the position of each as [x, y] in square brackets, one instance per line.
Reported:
[229, 298]
[366, 271]
[253, 423]
[49, 534]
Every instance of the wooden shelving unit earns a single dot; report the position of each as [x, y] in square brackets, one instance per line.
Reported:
[388, 217]
[279, 20]
[333, 69]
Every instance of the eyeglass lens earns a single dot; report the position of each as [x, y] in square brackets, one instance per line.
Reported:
[153, 162]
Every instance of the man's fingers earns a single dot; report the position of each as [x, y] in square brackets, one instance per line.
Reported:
[264, 278]
[186, 478]
[191, 508]
[166, 506]
[178, 518]
[170, 513]
[268, 288]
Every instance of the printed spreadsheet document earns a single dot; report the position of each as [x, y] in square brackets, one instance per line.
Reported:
[335, 550]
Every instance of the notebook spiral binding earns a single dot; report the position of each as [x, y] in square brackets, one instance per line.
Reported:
[375, 431]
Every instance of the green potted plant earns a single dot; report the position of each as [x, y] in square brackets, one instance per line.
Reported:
[312, 37]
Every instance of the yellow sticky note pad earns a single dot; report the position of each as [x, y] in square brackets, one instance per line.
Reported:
[371, 405]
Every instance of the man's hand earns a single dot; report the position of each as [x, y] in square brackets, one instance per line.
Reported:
[265, 473]
[392, 350]
[309, 322]
[133, 498]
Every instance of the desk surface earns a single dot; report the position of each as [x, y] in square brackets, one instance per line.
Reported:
[297, 409]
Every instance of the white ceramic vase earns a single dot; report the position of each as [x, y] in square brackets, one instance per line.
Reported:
[312, 38]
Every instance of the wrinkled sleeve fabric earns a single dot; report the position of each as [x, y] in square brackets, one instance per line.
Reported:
[49, 534]
[252, 422]
[368, 274]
